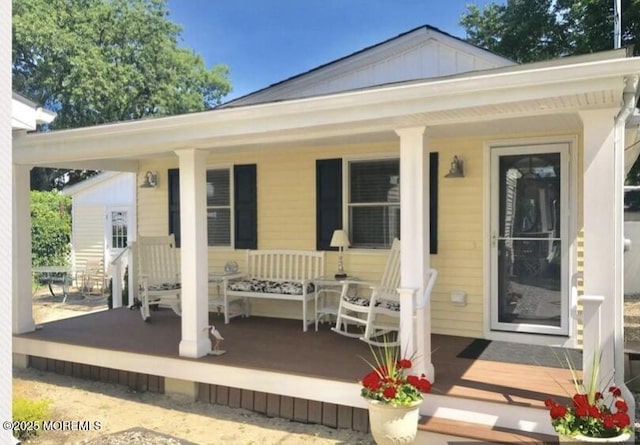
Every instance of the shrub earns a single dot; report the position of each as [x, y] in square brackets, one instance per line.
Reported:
[28, 416]
[50, 228]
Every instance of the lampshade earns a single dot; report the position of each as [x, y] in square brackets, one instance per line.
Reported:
[339, 239]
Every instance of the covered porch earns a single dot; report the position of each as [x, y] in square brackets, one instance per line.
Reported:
[271, 366]
[577, 109]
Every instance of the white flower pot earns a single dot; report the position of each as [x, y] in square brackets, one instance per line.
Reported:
[579, 438]
[393, 425]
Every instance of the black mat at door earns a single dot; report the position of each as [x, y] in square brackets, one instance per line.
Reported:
[501, 351]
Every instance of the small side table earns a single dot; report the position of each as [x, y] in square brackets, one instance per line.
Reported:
[327, 284]
[216, 279]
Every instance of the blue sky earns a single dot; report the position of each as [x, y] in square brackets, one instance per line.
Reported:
[265, 41]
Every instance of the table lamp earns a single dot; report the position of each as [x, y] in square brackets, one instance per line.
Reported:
[340, 240]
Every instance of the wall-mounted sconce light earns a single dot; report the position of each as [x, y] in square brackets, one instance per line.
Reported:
[150, 180]
[457, 168]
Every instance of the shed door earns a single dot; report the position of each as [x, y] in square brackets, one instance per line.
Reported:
[117, 231]
[529, 221]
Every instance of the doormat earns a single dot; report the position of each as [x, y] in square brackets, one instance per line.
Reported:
[501, 351]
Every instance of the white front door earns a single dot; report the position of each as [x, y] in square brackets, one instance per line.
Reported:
[529, 243]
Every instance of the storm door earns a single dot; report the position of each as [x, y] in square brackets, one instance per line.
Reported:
[529, 221]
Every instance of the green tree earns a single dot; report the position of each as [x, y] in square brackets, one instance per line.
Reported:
[50, 228]
[533, 30]
[100, 61]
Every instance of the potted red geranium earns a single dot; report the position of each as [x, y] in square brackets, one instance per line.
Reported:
[394, 397]
[592, 415]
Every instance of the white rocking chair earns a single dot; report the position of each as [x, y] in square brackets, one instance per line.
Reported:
[362, 311]
[380, 312]
[158, 273]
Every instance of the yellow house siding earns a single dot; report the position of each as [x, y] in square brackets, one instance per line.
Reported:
[287, 220]
[459, 260]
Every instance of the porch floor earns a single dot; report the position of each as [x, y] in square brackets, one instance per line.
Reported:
[271, 344]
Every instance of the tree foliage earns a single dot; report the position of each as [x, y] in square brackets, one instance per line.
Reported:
[528, 30]
[50, 228]
[100, 61]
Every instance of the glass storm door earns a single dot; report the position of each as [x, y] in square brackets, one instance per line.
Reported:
[529, 221]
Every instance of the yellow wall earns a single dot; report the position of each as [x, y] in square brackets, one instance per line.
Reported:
[286, 220]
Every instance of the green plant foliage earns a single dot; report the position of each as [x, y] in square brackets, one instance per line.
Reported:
[28, 416]
[101, 61]
[527, 31]
[50, 228]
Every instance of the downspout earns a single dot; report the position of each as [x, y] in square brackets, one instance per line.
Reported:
[626, 112]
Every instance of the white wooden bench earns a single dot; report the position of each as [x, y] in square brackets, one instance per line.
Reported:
[278, 274]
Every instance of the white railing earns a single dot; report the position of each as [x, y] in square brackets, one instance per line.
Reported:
[116, 281]
[414, 333]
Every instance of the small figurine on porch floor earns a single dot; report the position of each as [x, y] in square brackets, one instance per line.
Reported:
[215, 342]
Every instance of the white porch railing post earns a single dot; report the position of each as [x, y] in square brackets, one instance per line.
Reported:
[592, 336]
[407, 345]
[116, 277]
[116, 284]
[133, 272]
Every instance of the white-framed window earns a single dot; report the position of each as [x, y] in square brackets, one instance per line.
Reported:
[118, 229]
[219, 207]
[373, 202]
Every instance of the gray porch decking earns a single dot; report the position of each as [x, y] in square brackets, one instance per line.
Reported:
[280, 345]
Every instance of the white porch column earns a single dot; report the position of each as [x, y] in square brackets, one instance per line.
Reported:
[414, 233]
[194, 259]
[602, 230]
[22, 311]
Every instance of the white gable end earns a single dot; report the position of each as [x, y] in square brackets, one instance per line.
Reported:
[419, 54]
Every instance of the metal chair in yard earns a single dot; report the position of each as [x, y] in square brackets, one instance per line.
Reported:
[158, 273]
[94, 280]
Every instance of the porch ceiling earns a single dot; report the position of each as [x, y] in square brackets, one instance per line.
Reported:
[498, 103]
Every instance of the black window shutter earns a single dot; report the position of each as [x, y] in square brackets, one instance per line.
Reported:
[433, 202]
[328, 201]
[245, 207]
[174, 203]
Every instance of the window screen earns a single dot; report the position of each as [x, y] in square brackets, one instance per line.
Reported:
[374, 202]
[218, 208]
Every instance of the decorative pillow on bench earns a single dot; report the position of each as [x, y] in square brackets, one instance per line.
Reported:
[269, 286]
[385, 304]
[164, 286]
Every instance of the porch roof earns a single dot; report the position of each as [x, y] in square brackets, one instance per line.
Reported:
[539, 96]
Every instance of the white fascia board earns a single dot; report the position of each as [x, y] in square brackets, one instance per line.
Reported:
[25, 114]
[88, 183]
[251, 124]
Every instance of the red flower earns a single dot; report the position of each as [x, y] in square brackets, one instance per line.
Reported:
[608, 421]
[615, 391]
[621, 405]
[424, 385]
[621, 420]
[581, 405]
[372, 381]
[594, 411]
[389, 392]
[550, 403]
[404, 364]
[558, 411]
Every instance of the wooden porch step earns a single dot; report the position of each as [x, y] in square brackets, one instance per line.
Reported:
[483, 433]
